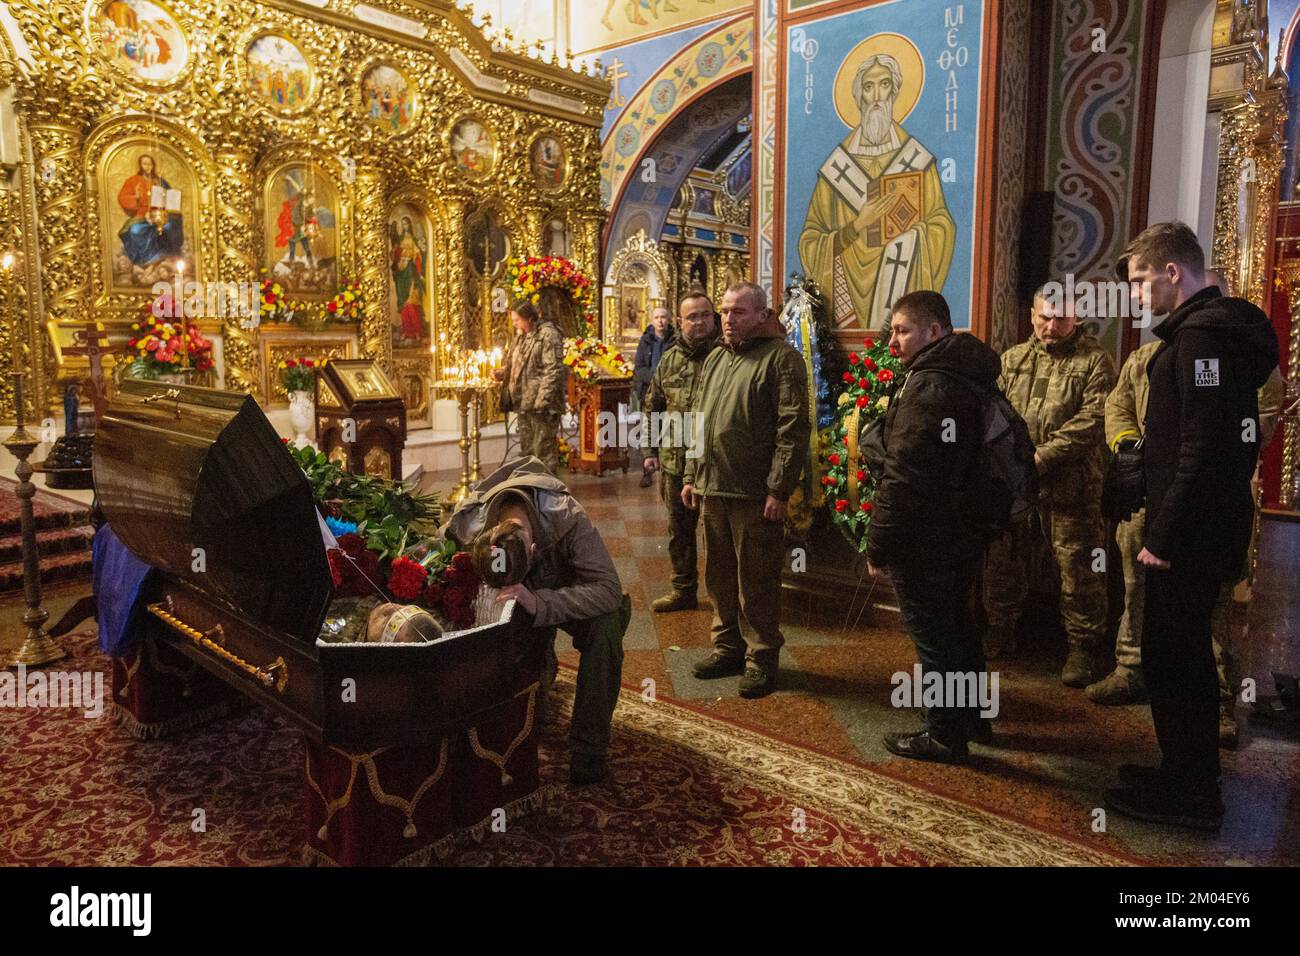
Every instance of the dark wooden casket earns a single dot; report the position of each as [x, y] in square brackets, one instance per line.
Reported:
[360, 418]
[197, 483]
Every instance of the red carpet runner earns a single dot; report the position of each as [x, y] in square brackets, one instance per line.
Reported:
[686, 790]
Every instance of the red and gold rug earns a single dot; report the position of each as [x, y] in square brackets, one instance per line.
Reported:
[685, 789]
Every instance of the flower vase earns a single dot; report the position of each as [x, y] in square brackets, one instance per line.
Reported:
[302, 416]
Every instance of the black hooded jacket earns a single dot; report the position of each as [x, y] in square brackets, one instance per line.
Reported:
[1202, 432]
[917, 515]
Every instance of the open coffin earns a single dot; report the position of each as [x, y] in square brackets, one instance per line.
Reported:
[197, 483]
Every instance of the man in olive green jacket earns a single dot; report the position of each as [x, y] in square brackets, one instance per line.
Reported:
[670, 414]
[1126, 412]
[1058, 381]
[754, 402]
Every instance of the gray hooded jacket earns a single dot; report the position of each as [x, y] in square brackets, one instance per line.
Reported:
[573, 575]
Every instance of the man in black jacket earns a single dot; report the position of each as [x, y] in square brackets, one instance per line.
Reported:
[1202, 429]
[933, 432]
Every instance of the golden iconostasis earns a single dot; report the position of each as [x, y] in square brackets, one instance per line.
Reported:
[372, 164]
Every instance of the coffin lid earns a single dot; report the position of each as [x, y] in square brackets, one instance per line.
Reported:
[179, 468]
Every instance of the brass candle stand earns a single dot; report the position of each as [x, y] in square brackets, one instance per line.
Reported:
[39, 648]
[469, 398]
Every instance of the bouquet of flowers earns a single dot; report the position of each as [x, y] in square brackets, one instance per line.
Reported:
[298, 375]
[348, 304]
[274, 307]
[592, 359]
[528, 275]
[385, 542]
[161, 347]
[848, 485]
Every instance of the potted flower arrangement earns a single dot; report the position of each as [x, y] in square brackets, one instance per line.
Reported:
[348, 304]
[591, 359]
[165, 349]
[298, 376]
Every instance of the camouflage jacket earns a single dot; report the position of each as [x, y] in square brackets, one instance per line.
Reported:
[1061, 390]
[536, 375]
[1126, 406]
[673, 390]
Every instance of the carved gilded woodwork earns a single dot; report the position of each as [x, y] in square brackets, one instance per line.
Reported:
[80, 100]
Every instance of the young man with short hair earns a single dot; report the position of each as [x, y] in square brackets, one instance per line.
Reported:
[1199, 453]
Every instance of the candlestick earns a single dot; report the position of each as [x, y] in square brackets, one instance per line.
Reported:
[39, 648]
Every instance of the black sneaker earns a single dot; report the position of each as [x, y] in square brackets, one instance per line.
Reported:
[585, 770]
[919, 745]
[719, 664]
[758, 681]
[1168, 807]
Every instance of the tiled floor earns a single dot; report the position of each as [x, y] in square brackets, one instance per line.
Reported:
[1056, 751]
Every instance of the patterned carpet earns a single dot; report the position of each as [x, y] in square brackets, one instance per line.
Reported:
[685, 789]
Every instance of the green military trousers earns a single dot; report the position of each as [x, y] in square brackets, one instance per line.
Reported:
[599, 643]
[538, 436]
[742, 570]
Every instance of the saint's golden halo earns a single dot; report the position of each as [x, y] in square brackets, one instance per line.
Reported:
[910, 64]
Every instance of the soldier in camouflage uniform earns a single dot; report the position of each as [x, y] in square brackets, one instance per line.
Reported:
[1126, 411]
[672, 394]
[1058, 381]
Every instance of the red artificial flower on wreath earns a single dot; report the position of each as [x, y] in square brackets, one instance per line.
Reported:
[853, 358]
[848, 376]
[867, 506]
[864, 382]
[406, 579]
[827, 480]
[863, 401]
[871, 365]
[360, 566]
[886, 375]
[841, 504]
[334, 556]
[432, 596]
[833, 458]
[862, 475]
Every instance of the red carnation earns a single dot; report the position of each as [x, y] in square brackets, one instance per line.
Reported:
[406, 580]
[864, 382]
[841, 504]
[893, 351]
[862, 401]
[461, 559]
[862, 475]
[871, 365]
[833, 458]
[333, 306]
[270, 298]
[886, 375]
[867, 506]
[848, 376]
[853, 358]
[826, 479]
[432, 593]
[868, 343]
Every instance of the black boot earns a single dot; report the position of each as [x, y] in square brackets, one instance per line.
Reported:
[720, 664]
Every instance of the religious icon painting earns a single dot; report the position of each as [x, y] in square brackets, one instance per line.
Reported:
[548, 162]
[142, 39]
[408, 270]
[279, 73]
[301, 209]
[388, 98]
[881, 195]
[148, 211]
[473, 147]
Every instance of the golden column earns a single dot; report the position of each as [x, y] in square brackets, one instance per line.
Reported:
[65, 257]
[451, 322]
[236, 239]
[532, 231]
[371, 233]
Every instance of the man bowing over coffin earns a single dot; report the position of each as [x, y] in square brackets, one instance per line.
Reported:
[877, 226]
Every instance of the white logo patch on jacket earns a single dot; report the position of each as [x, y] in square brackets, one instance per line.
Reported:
[1207, 371]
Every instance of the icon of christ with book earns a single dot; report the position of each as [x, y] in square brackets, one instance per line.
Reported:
[877, 226]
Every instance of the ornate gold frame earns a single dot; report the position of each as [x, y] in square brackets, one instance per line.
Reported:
[379, 60]
[564, 148]
[492, 135]
[91, 26]
[245, 44]
[276, 163]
